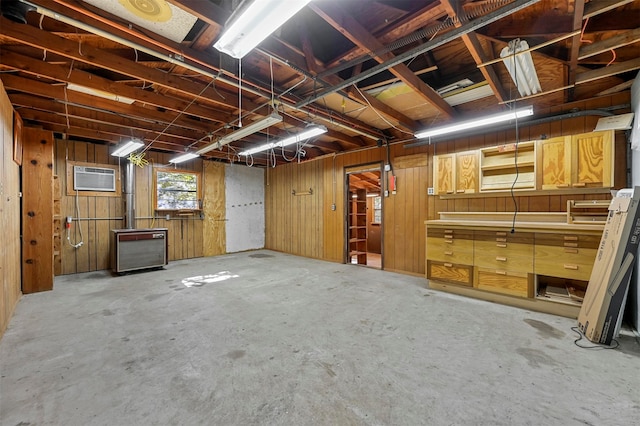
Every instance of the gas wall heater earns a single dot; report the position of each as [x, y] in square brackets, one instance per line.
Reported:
[94, 179]
[133, 249]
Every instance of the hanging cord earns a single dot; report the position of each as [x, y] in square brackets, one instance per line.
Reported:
[612, 59]
[378, 114]
[68, 226]
[515, 159]
[240, 92]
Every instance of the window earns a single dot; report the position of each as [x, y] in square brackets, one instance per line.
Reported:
[177, 189]
[377, 209]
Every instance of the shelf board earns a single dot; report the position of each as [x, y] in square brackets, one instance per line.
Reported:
[357, 240]
[508, 166]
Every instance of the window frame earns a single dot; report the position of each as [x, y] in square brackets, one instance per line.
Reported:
[375, 209]
[198, 175]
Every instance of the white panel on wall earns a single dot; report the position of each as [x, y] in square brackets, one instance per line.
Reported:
[244, 191]
[634, 291]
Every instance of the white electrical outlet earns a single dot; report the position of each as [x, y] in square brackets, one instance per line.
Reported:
[431, 191]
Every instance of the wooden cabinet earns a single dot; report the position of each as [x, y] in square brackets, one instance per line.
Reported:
[508, 166]
[358, 227]
[578, 161]
[456, 173]
[480, 257]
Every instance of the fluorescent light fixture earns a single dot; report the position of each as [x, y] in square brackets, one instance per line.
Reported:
[479, 122]
[99, 93]
[308, 133]
[184, 157]
[468, 94]
[520, 67]
[255, 23]
[243, 132]
[127, 148]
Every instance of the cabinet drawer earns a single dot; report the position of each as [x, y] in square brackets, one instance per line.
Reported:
[449, 243]
[568, 240]
[450, 272]
[500, 281]
[450, 255]
[503, 260]
[504, 237]
[457, 234]
[500, 248]
[564, 262]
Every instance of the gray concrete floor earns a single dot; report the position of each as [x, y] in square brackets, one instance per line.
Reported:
[275, 339]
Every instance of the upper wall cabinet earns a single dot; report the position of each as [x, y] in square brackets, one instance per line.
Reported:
[578, 161]
[584, 161]
[456, 173]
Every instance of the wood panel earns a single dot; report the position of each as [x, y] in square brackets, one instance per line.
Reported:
[37, 211]
[214, 229]
[10, 289]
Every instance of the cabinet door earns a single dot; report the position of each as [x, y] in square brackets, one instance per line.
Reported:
[592, 160]
[554, 163]
[444, 173]
[466, 172]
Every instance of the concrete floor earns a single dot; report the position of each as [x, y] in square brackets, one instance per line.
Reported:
[275, 339]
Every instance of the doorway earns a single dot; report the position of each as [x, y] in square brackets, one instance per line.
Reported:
[363, 242]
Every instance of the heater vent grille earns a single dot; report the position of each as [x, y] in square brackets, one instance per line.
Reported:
[94, 179]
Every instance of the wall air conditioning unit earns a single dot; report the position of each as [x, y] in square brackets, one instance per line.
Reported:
[94, 179]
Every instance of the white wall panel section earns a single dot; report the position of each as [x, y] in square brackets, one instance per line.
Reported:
[244, 191]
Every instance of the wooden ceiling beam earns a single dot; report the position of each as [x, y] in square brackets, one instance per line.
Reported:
[61, 73]
[619, 68]
[578, 12]
[336, 16]
[479, 56]
[594, 8]
[615, 42]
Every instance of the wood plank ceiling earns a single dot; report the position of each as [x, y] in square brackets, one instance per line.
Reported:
[368, 70]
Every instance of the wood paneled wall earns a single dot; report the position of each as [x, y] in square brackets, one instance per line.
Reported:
[307, 225]
[10, 289]
[101, 214]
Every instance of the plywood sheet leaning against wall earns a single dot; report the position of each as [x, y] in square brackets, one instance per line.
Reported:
[10, 289]
[214, 230]
[37, 210]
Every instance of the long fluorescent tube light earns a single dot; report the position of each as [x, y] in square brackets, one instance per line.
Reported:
[520, 67]
[243, 132]
[479, 122]
[184, 157]
[255, 23]
[308, 133]
[127, 148]
[99, 93]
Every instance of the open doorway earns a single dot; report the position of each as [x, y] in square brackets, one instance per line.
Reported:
[364, 217]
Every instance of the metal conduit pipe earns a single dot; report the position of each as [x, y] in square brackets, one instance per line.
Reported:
[173, 60]
[521, 123]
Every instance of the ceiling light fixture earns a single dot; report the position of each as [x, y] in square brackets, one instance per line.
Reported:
[306, 134]
[127, 148]
[479, 122]
[243, 132]
[255, 23]
[184, 157]
[517, 58]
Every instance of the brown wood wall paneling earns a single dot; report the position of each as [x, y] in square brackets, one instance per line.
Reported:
[10, 290]
[404, 213]
[186, 239]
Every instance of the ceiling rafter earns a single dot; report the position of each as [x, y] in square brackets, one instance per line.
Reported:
[338, 18]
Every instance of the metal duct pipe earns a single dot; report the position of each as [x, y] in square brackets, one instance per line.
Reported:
[130, 196]
[521, 123]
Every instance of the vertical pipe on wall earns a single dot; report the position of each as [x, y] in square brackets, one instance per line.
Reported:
[129, 195]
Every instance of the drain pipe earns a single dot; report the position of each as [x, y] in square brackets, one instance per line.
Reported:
[129, 196]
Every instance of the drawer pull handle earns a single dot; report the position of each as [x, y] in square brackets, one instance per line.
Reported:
[501, 234]
[448, 237]
[448, 265]
[501, 259]
[571, 245]
[571, 250]
[449, 192]
[562, 185]
[579, 185]
[448, 231]
[448, 241]
[501, 272]
[572, 267]
[570, 238]
[501, 240]
[459, 191]
[448, 253]
[503, 245]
